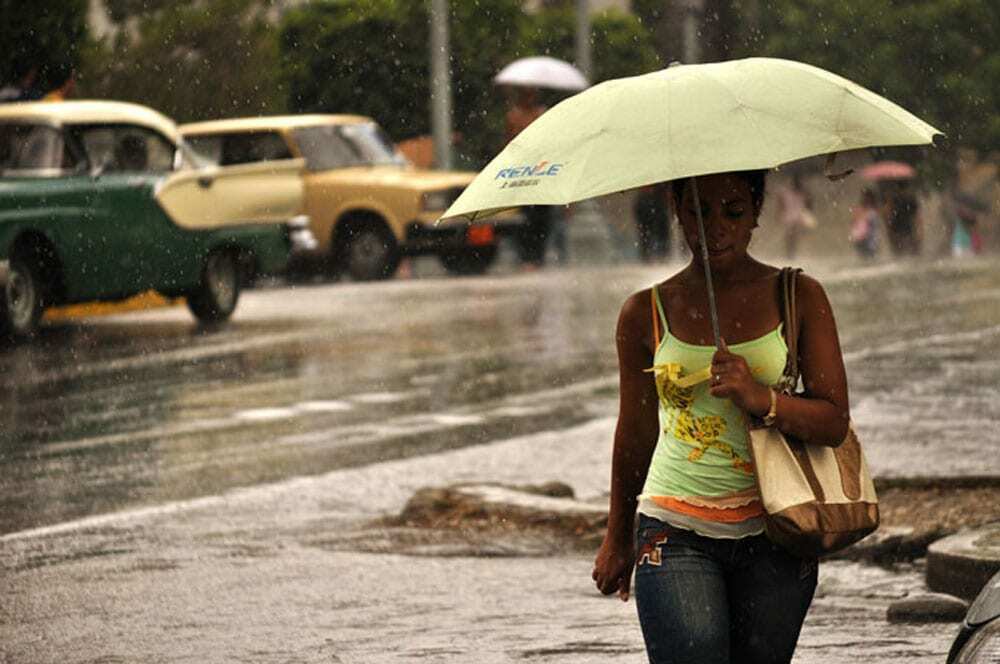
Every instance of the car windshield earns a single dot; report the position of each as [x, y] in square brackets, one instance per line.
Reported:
[28, 149]
[326, 147]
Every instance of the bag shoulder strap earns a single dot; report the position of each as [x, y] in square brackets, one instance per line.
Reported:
[659, 317]
[656, 318]
[790, 376]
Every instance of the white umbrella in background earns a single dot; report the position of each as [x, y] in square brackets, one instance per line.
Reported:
[542, 72]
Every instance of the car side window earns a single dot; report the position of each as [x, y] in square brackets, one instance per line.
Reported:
[126, 148]
[209, 147]
[241, 147]
[30, 149]
[325, 148]
[249, 147]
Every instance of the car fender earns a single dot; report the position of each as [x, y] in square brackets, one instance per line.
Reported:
[324, 220]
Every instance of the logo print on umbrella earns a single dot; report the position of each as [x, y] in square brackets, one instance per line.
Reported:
[514, 176]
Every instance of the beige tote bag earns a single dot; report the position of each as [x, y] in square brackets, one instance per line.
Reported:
[817, 499]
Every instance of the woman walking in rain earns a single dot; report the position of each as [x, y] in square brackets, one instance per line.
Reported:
[710, 587]
[795, 212]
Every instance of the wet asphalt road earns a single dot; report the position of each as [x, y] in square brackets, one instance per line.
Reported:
[140, 409]
[189, 440]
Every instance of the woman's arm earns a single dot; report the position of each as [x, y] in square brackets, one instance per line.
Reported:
[635, 440]
[821, 414]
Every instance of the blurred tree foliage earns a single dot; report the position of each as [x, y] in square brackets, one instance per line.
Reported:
[936, 58]
[621, 46]
[121, 10]
[371, 57]
[216, 58]
[48, 34]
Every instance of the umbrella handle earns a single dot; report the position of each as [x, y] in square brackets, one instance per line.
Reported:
[712, 310]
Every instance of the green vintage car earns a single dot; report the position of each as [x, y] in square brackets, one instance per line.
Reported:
[100, 201]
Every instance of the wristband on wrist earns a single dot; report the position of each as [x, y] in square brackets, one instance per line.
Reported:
[772, 413]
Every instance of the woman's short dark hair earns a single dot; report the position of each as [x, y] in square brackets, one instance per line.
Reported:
[756, 179]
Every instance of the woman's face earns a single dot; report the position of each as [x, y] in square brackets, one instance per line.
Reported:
[729, 215]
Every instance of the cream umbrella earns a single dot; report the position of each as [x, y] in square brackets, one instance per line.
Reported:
[685, 121]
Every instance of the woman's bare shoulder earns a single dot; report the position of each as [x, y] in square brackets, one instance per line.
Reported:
[677, 281]
[810, 297]
[636, 306]
[807, 284]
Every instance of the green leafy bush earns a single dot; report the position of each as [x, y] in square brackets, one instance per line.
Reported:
[213, 59]
[372, 58]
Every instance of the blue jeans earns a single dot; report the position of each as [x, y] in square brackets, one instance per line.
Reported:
[718, 601]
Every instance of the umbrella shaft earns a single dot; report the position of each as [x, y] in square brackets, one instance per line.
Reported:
[713, 312]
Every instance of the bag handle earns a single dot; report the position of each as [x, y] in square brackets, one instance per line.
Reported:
[790, 376]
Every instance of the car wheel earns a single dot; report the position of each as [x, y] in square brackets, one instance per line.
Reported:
[469, 261]
[371, 252]
[215, 298]
[23, 299]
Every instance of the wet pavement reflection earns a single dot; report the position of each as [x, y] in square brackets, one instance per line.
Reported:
[145, 408]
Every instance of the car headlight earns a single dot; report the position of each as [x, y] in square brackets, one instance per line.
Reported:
[983, 647]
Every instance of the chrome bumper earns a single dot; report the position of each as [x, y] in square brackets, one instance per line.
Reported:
[4, 272]
[300, 236]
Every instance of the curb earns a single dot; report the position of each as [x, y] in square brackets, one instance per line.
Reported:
[929, 482]
[961, 564]
[889, 545]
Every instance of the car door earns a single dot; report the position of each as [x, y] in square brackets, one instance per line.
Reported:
[252, 179]
[57, 197]
[213, 197]
[127, 241]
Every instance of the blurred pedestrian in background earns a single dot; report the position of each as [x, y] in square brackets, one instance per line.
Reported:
[560, 238]
[795, 213]
[652, 219]
[866, 226]
[965, 238]
[902, 215]
[66, 87]
[23, 89]
[534, 238]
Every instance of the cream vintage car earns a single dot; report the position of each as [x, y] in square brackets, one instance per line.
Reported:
[101, 200]
[367, 205]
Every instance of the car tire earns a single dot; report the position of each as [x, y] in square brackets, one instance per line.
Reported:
[469, 261]
[215, 298]
[369, 252]
[23, 299]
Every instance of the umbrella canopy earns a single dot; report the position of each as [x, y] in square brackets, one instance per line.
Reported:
[542, 72]
[888, 170]
[684, 121]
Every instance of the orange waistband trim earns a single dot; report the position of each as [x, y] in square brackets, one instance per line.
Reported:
[720, 515]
